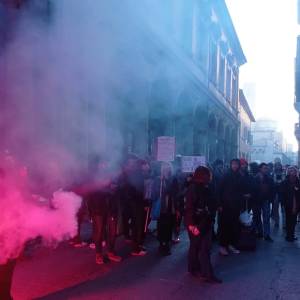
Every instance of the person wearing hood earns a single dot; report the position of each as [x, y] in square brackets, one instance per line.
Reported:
[230, 202]
[199, 222]
[291, 201]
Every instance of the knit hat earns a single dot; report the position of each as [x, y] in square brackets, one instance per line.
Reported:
[243, 161]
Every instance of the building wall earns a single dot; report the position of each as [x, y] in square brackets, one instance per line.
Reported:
[197, 101]
[245, 135]
[268, 143]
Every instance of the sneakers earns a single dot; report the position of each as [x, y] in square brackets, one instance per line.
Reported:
[92, 245]
[176, 240]
[79, 245]
[233, 250]
[138, 253]
[99, 259]
[223, 251]
[113, 257]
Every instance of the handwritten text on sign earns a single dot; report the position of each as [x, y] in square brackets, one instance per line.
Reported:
[165, 148]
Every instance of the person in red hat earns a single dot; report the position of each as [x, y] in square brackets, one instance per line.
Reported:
[200, 208]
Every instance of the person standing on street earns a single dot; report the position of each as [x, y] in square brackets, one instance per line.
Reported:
[291, 201]
[279, 177]
[199, 222]
[265, 192]
[247, 185]
[230, 201]
[166, 190]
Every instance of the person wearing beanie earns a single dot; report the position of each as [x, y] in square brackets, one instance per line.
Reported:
[199, 221]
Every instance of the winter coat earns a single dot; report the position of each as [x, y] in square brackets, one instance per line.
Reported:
[200, 207]
[249, 188]
[167, 191]
[231, 193]
[265, 188]
[291, 193]
[132, 189]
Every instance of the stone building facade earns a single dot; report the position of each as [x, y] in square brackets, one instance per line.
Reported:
[246, 120]
[190, 90]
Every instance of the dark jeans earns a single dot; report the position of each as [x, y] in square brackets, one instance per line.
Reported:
[99, 226]
[138, 224]
[126, 217]
[177, 224]
[6, 276]
[112, 227]
[262, 210]
[199, 254]
[229, 228]
[165, 228]
[80, 218]
[291, 221]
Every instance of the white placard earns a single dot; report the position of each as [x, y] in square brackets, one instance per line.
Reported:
[190, 163]
[165, 148]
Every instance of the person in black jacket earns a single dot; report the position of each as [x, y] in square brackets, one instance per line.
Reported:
[248, 186]
[199, 221]
[165, 188]
[265, 193]
[291, 201]
[101, 197]
[230, 206]
[133, 190]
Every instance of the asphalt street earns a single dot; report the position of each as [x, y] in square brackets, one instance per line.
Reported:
[272, 272]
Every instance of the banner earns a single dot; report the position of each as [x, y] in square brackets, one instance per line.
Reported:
[165, 148]
[190, 163]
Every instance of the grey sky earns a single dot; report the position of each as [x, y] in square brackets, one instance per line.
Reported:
[267, 30]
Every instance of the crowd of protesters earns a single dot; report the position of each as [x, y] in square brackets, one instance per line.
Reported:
[211, 203]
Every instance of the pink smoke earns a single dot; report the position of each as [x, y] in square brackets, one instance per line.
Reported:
[24, 216]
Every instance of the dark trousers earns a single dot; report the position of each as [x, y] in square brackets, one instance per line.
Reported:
[199, 254]
[229, 229]
[262, 210]
[138, 224]
[165, 228]
[177, 224]
[6, 276]
[99, 225]
[112, 226]
[126, 217]
[80, 218]
[291, 221]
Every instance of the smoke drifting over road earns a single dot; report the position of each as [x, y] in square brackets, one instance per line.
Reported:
[69, 72]
[70, 77]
